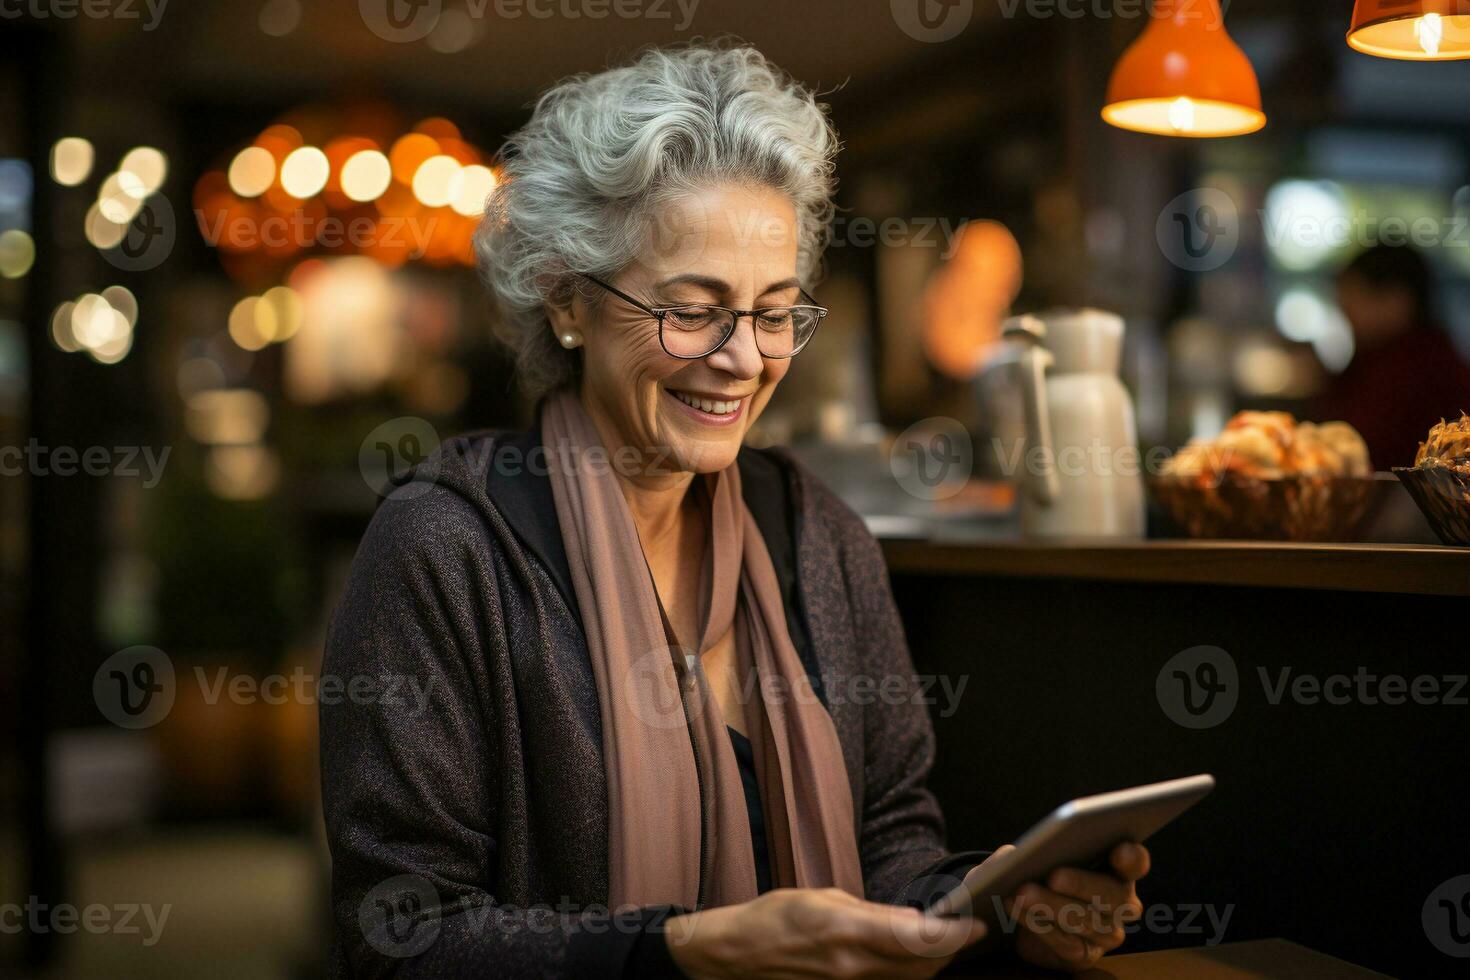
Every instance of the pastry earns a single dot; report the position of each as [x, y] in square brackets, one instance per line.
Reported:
[1272, 446]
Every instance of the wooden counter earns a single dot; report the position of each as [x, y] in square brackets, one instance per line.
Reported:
[1413, 569]
[1064, 652]
[1270, 959]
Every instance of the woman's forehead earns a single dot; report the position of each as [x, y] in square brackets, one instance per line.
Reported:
[741, 236]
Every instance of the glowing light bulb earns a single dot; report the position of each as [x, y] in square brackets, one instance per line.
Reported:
[1429, 30]
[1181, 114]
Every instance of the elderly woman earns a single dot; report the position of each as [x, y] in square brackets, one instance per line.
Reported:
[638, 755]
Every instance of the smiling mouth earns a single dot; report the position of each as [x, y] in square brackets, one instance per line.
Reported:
[710, 406]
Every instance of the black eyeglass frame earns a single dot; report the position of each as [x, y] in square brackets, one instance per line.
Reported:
[660, 312]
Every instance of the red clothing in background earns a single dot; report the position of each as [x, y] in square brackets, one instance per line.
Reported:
[1394, 393]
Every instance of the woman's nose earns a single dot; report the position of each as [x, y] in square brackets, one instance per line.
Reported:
[739, 357]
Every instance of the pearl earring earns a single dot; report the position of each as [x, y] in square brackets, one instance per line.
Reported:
[570, 340]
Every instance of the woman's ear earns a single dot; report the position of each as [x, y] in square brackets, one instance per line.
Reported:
[567, 315]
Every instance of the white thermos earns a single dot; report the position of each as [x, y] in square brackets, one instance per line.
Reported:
[1081, 472]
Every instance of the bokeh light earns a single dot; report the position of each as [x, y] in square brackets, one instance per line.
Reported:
[437, 181]
[143, 171]
[92, 324]
[366, 175]
[305, 172]
[410, 153]
[252, 171]
[121, 198]
[244, 325]
[281, 309]
[120, 298]
[102, 232]
[476, 183]
[280, 17]
[17, 253]
[61, 333]
[71, 161]
[424, 192]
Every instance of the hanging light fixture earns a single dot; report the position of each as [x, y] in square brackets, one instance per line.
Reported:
[1184, 76]
[1412, 30]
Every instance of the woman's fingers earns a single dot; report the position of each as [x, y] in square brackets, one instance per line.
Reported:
[1072, 923]
[1131, 861]
[1077, 931]
[1115, 901]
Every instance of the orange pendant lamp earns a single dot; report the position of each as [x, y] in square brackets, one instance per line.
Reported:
[1184, 76]
[1412, 30]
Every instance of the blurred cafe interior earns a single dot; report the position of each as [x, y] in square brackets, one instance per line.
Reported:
[1228, 269]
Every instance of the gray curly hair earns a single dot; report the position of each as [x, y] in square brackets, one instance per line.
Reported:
[583, 182]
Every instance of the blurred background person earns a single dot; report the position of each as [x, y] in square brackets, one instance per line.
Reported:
[1406, 374]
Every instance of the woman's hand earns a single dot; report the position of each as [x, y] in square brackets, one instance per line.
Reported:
[1079, 915]
[804, 932]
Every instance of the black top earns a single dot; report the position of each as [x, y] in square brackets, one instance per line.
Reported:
[745, 755]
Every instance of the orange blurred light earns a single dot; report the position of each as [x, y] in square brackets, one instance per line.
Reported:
[313, 184]
[210, 183]
[463, 153]
[390, 245]
[439, 128]
[279, 140]
[397, 201]
[230, 224]
[967, 300]
[303, 273]
[409, 153]
[279, 200]
[339, 151]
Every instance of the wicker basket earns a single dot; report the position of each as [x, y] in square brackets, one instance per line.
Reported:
[1443, 495]
[1294, 508]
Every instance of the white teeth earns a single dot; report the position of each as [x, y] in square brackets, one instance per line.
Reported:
[705, 404]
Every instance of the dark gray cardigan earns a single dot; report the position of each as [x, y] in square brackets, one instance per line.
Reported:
[468, 828]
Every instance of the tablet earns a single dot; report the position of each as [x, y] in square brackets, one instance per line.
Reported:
[1080, 834]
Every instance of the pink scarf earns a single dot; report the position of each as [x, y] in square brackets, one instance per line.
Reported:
[678, 827]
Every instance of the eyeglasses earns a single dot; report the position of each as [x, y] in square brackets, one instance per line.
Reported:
[697, 330]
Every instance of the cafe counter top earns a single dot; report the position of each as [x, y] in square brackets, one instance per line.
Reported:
[1383, 568]
[1270, 959]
